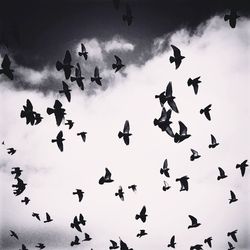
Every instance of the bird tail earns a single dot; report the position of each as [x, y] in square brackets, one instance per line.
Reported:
[189, 82]
[176, 138]
[156, 122]
[209, 146]
[116, 194]
[101, 181]
[50, 111]
[202, 111]
[157, 96]
[92, 79]
[59, 65]
[161, 171]
[218, 178]
[72, 225]
[72, 78]
[80, 53]
[226, 17]
[114, 66]
[120, 134]
[171, 59]
[137, 216]
[22, 114]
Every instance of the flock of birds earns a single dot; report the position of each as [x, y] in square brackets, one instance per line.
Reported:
[163, 122]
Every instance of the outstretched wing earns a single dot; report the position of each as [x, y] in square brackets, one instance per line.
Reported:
[107, 174]
[213, 140]
[118, 60]
[165, 164]
[126, 127]
[96, 74]
[193, 219]
[143, 211]
[6, 62]
[177, 52]
[83, 47]
[183, 128]
[169, 89]
[194, 152]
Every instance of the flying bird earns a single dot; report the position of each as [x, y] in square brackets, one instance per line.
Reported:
[77, 222]
[127, 17]
[36, 215]
[66, 91]
[184, 183]
[120, 193]
[194, 222]
[195, 155]
[26, 200]
[233, 235]
[13, 234]
[118, 65]
[75, 241]
[58, 111]
[183, 135]
[177, 58]
[19, 187]
[172, 242]
[141, 233]
[65, 65]
[142, 215]
[230, 245]
[96, 78]
[83, 52]
[40, 246]
[59, 140]
[222, 174]
[208, 241]
[166, 186]
[83, 135]
[213, 142]
[17, 172]
[195, 83]
[125, 134]
[242, 167]
[48, 218]
[196, 247]
[232, 17]
[106, 178]
[124, 246]
[79, 193]
[11, 151]
[87, 237]
[78, 78]
[70, 123]
[206, 111]
[164, 169]
[133, 187]
[24, 247]
[6, 70]
[233, 197]
[114, 245]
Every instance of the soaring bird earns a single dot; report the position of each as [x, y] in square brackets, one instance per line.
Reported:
[164, 169]
[78, 78]
[127, 17]
[232, 17]
[40, 246]
[31, 116]
[120, 193]
[96, 78]
[125, 134]
[184, 183]
[75, 241]
[83, 52]
[208, 241]
[172, 242]
[230, 245]
[196, 247]
[124, 246]
[66, 91]
[17, 172]
[19, 187]
[77, 222]
[87, 237]
[222, 174]
[142, 215]
[213, 142]
[65, 65]
[6, 68]
[183, 135]
[133, 187]
[48, 218]
[195, 155]
[26, 200]
[233, 235]
[59, 140]
[233, 197]
[194, 222]
[114, 245]
[206, 111]
[83, 135]
[13, 234]
[79, 193]
[177, 58]
[58, 111]
[166, 186]
[194, 82]
[118, 65]
[36, 215]
[70, 123]
[141, 233]
[242, 167]
[106, 178]
[11, 151]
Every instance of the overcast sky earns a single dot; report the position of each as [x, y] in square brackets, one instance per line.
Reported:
[213, 50]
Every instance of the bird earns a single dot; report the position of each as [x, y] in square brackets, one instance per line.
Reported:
[184, 183]
[124, 246]
[77, 222]
[172, 242]
[193, 221]
[195, 155]
[213, 142]
[232, 17]
[78, 77]
[87, 237]
[127, 17]
[11, 151]
[59, 140]
[24, 247]
[17, 172]
[65, 65]
[48, 218]
[242, 166]
[40, 246]
[196, 247]
[230, 245]
[75, 241]
[141, 233]
[222, 174]
[114, 245]
[26, 200]
[206, 111]
[133, 187]
[66, 90]
[233, 197]
[58, 111]
[83, 52]
[70, 123]
[166, 186]
[208, 241]
[125, 134]
[142, 215]
[164, 169]
[106, 178]
[183, 135]
[36, 215]
[120, 193]
[116, 4]
[96, 78]
[118, 65]
[177, 58]
[80, 193]
[19, 187]
[194, 82]
[233, 235]
[170, 98]
[13, 234]
[162, 98]
[5, 68]
[83, 135]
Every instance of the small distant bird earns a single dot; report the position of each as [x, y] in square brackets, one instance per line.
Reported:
[40, 246]
[70, 123]
[114, 245]
[242, 167]
[36, 215]
[11, 151]
[222, 174]
[142, 215]
[48, 218]
[83, 135]
[83, 52]
[58, 111]
[232, 17]
[172, 242]
[208, 241]
[213, 142]
[206, 111]
[77, 222]
[118, 65]
[141, 233]
[164, 169]
[17, 172]
[59, 140]
[184, 183]
[120, 193]
[106, 178]
[116, 4]
[78, 77]
[6, 68]
[19, 187]
[183, 135]
[177, 58]
[123, 246]
[194, 82]
[26, 200]
[133, 187]
[24, 247]
[195, 155]
[125, 134]
[96, 77]
[166, 186]
[75, 242]
[87, 237]
[65, 65]
[66, 91]
[128, 16]
[196, 247]
[80, 193]
[233, 235]
[230, 245]
[13, 234]
[233, 197]
[194, 222]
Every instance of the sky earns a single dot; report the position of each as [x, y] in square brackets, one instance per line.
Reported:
[213, 50]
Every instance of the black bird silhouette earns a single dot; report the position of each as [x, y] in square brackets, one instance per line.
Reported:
[87, 237]
[65, 65]
[120, 193]
[118, 65]
[26, 200]
[194, 222]
[142, 215]
[114, 245]
[59, 140]
[11, 151]
[141, 233]
[184, 183]
[38, 118]
[96, 78]
[13, 234]
[182, 133]
[133, 187]
[194, 82]
[24, 247]
[66, 91]
[128, 16]
[19, 187]
[177, 58]
[230, 245]
[83, 135]
[77, 222]
[233, 197]
[222, 174]
[36, 215]
[75, 242]
[58, 111]
[17, 172]
[206, 111]
[123, 246]
[166, 186]
[83, 52]
[70, 123]
[78, 77]
[106, 178]
[80, 193]
[116, 4]
[213, 142]
[48, 218]
[196, 247]
[125, 134]
[170, 98]
[162, 98]
[164, 169]
[172, 242]
[242, 167]
[232, 17]
[208, 241]
[233, 235]
[6, 68]
[195, 155]
[40, 246]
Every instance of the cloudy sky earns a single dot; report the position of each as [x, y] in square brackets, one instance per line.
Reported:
[35, 36]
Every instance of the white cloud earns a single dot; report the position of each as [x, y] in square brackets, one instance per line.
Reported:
[118, 44]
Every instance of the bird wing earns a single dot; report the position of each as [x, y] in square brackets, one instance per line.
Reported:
[29, 105]
[222, 172]
[169, 89]
[172, 241]
[177, 52]
[207, 114]
[126, 127]
[213, 140]
[232, 22]
[194, 152]
[193, 219]
[6, 62]
[165, 164]
[183, 128]
[96, 73]
[143, 211]
[173, 105]
[196, 87]
[107, 173]
[118, 60]
[78, 72]
[126, 139]
[83, 47]
[57, 104]
[113, 243]
[233, 196]
[67, 58]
